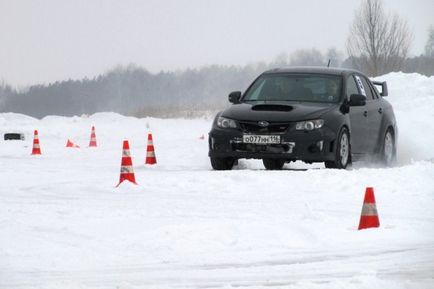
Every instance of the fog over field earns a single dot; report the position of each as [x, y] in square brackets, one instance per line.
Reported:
[164, 58]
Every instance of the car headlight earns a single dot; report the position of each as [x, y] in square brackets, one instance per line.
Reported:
[309, 124]
[224, 122]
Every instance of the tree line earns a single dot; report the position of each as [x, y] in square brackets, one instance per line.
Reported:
[132, 90]
[378, 43]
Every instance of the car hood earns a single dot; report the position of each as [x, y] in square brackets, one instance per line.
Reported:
[277, 111]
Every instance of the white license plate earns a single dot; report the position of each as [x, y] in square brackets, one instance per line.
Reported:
[261, 139]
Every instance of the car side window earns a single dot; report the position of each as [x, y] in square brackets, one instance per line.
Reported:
[351, 86]
[366, 88]
[375, 94]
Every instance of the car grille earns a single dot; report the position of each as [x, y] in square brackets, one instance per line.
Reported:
[254, 127]
[254, 148]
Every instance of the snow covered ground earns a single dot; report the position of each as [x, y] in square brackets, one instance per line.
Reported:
[64, 224]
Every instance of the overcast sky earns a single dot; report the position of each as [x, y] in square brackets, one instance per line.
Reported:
[45, 41]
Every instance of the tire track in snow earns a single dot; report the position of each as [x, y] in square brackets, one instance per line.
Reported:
[314, 267]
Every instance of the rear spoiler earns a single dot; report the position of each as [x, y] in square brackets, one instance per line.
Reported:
[384, 91]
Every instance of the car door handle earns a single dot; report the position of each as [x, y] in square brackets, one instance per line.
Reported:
[365, 113]
[380, 110]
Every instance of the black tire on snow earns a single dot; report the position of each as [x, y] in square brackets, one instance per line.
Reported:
[342, 151]
[222, 164]
[273, 164]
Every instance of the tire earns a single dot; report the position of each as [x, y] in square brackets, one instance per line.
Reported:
[13, 136]
[222, 164]
[342, 152]
[388, 150]
[273, 164]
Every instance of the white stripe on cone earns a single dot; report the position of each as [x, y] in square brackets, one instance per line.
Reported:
[126, 169]
[369, 210]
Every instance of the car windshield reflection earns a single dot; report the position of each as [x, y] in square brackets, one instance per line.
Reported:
[300, 88]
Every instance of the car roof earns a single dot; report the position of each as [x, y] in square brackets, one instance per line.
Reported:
[313, 69]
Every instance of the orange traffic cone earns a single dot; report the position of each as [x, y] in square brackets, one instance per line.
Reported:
[36, 146]
[150, 152]
[127, 172]
[70, 144]
[92, 142]
[369, 216]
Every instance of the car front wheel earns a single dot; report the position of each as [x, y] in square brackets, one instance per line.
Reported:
[273, 164]
[222, 164]
[343, 151]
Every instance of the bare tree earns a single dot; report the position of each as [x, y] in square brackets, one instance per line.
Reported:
[334, 56]
[429, 47]
[378, 43]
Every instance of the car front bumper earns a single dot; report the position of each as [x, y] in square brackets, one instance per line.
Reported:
[310, 146]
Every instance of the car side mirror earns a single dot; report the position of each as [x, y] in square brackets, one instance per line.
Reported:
[234, 97]
[384, 91]
[357, 100]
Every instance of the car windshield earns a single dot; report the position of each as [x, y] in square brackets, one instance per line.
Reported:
[295, 87]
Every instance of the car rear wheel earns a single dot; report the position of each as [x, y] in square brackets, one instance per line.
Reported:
[388, 152]
[342, 152]
[273, 164]
[222, 164]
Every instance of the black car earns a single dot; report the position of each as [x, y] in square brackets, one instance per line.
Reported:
[312, 114]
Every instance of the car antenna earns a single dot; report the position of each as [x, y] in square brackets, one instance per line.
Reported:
[328, 64]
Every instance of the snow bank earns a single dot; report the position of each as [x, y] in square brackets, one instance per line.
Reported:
[412, 97]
